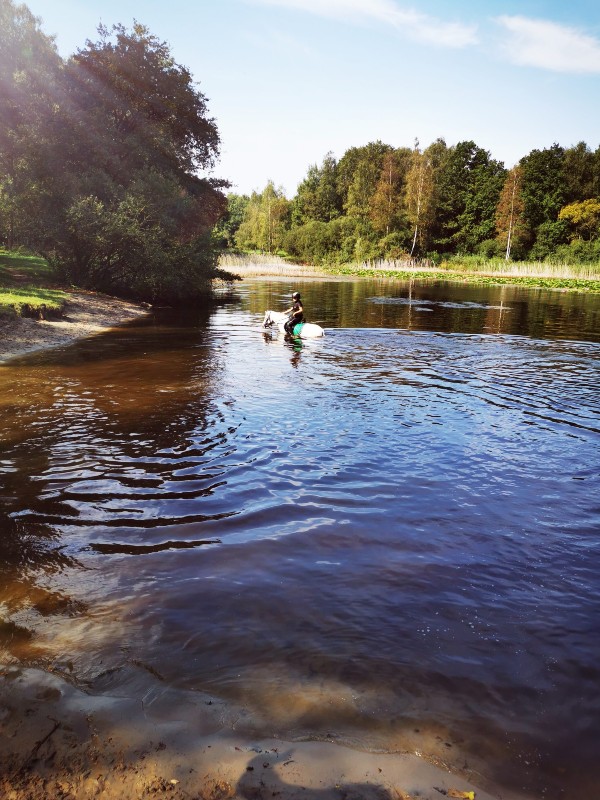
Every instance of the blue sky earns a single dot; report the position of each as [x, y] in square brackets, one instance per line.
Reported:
[289, 80]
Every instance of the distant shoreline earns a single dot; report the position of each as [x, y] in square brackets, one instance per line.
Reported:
[528, 276]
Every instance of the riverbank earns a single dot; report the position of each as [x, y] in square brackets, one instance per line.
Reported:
[589, 285]
[534, 276]
[84, 314]
[58, 741]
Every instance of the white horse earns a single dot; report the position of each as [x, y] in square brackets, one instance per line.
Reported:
[308, 330]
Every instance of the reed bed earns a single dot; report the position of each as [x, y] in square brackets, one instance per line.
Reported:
[258, 265]
[494, 267]
[471, 269]
[533, 269]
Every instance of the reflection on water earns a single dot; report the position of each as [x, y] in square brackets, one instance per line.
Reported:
[387, 537]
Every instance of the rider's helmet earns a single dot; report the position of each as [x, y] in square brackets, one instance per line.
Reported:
[296, 296]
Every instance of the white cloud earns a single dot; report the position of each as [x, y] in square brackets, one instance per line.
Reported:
[540, 43]
[415, 25]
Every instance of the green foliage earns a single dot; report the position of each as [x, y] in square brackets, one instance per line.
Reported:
[490, 248]
[100, 159]
[30, 71]
[549, 236]
[386, 208]
[581, 173]
[543, 191]
[577, 252]
[227, 227]
[395, 245]
[584, 218]
[265, 219]
[126, 250]
[357, 174]
[336, 242]
[469, 183]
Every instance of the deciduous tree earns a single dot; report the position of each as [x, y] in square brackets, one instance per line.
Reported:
[510, 220]
[420, 198]
[386, 207]
[584, 217]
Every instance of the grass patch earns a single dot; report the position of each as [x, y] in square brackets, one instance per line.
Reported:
[31, 301]
[18, 294]
[19, 268]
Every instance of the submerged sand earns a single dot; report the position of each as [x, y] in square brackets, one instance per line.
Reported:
[58, 742]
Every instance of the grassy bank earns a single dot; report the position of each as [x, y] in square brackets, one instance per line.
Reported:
[25, 289]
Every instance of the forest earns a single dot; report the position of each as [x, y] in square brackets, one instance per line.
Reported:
[436, 203]
[101, 157]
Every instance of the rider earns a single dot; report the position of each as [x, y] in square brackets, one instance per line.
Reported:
[297, 313]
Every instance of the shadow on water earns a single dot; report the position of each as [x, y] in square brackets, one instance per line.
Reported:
[80, 421]
[30, 556]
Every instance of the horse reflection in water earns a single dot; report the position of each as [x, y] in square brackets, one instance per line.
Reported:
[306, 330]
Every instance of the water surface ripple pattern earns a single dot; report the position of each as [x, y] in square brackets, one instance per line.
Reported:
[399, 525]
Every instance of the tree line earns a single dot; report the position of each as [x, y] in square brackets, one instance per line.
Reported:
[101, 156]
[442, 201]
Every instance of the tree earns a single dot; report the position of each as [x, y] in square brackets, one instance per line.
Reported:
[265, 221]
[510, 222]
[542, 189]
[420, 197]
[29, 72]
[357, 174]
[328, 201]
[386, 208]
[229, 224]
[578, 173]
[317, 197]
[468, 187]
[305, 204]
[129, 81]
[134, 135]
[584, 217]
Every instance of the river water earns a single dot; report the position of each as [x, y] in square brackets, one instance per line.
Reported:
[389, 537]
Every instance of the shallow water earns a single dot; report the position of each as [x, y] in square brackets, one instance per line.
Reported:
[388, 537]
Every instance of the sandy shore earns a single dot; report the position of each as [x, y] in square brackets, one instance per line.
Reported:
[58, 742]
[86, 314]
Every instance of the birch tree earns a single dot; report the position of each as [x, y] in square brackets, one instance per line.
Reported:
[510, 216]
[419, 198]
